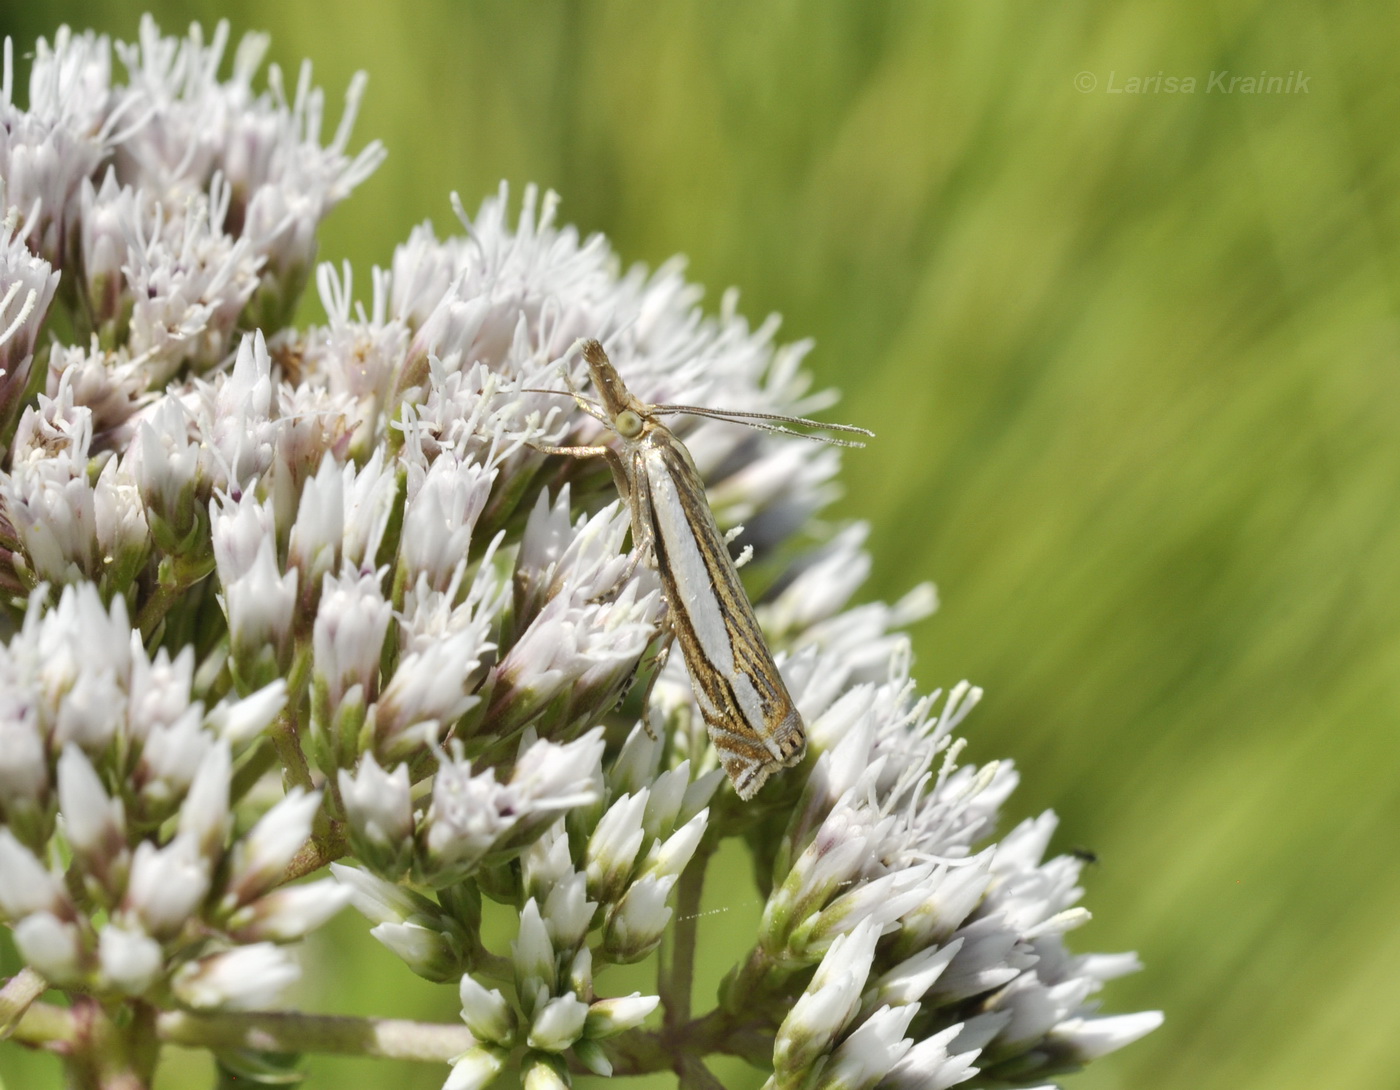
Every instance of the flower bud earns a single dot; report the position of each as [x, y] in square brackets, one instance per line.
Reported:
[52, 946]
[613, 847]
[532, 953]
[247, 978]
[544, 1072]
[558, 1024]
[476, 1068]
[636, 923]
[130, 959]
[486, 1013]
[609, 1016]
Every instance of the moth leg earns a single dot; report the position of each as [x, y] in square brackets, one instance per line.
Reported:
[591, 408]
[643, 548]
[623, 483]
[638, 502]
[658, 663]
[573, 452]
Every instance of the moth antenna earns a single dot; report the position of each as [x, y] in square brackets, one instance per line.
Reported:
[770, 422]
[740, 415]
[592, 408]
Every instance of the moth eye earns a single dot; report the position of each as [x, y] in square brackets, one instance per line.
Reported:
[628, 424]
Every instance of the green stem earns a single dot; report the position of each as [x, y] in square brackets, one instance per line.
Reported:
[322, 849]
[391, 1038]
[247, 774]
[677, 971]
[104, 1054]
[19, 992]
[676, 976]
[719, 1031]
[71, 1030]
[287, 730]
[67, 1029]
[168, 591]
[638, 1052]
[694, 1075]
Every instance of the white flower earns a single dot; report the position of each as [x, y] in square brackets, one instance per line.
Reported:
[544, 1072]
[376, 344]
[930, 1065]
[24, 771]
[266, 145]
[61, 138]
[613, 847]
[27, 285]
[568, 912]
[49, 499]
[672, 856]
[166, 885]
[165, 462]
[26, 886]
[607, 1017]
[238, 722]
[94, 822]
[443, 506]
[352, 620]
[314, 543]
[824, 1010]
[636, 924]
[558, 1024]
[475, 1069]
[583, 559]
[247, 978]
[234, 418]
[107, 217]
[870, 1050]
[665, 804]
[430, 688]
[414, 591]
[472, 815]
[53, 946]
[158, 692]
[547, 861]
[260, 605]
[486, 1012]
[378, 806]
[110, 384]
[907, 982]
[289, 913]
[130, 959]
[204, 815]
[376, 899]
[260, 857]
[84, 718]
[532, 953]
[241, 528]
[426, 950]
[1087, 1038]
[187, 281]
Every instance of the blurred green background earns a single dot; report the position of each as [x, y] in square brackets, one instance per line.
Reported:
[1133, 361]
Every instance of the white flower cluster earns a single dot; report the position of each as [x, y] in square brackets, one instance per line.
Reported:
[120, 870]
[592, 890]
[321, 585]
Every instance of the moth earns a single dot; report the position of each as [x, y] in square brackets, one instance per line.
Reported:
[750, 716]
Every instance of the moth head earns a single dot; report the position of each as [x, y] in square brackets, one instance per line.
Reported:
[628, 424]
[612, 392]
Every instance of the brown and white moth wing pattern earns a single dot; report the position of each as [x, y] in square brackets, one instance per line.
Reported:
[750, 716]
[752, 722]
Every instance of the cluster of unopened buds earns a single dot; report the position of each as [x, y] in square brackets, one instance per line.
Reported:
[302, 618]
